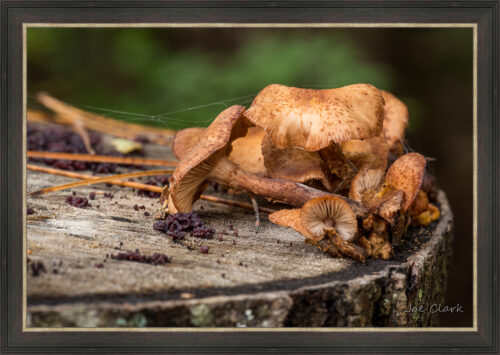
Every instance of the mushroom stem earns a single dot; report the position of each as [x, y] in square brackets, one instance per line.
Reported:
[349, 249]
[288, 192]
[336, 161]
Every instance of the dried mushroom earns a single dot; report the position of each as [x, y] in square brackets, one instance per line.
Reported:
[336, 139]
[207, 161]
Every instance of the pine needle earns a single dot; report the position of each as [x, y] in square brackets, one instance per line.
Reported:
[94, 180]
[101, 158]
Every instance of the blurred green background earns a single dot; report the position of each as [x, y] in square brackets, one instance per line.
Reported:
[178, 78]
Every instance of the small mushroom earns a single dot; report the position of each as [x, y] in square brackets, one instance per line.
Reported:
[319, 120]
[367, 188]
[396, 119]
[391, 199]
[294, 164]
[426, 217]
[207, 161]
[406, 174]
[397, 193]
[366, 184]
[291, 218]
[330, 218]
[329, 212]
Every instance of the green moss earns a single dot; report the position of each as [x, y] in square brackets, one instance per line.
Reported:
[201, 316]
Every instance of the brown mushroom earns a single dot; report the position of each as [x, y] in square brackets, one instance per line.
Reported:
[396, 119]
[290, 218]
[406, 174]
[319, 120]
[397, 193]
[329, 212]
[366, 184]
[326, 222]
[425, 218]
[185, 139]
[294, 164]
[207, 161]
[421, 211]
[246, 151]
[313, 119]
[331, 218]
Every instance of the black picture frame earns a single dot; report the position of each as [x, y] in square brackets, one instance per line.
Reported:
[483, 13]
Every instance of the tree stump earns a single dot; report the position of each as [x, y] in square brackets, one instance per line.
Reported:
[248, 279]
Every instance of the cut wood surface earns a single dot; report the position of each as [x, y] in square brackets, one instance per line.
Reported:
[248, 279]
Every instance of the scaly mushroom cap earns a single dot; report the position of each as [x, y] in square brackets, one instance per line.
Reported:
[185, 139]
[247, 152]
[366, 183]
[406, 174]
[396, 119]
[199, 161]
[329, 212]
[373, 151]
[313, 119]
[291, 219]
[293, 164]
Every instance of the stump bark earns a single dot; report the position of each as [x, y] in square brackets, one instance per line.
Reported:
[248, 279]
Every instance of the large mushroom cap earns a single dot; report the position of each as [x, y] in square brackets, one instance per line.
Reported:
[396, 119]
[247, 152]
[329, 212]
[199, 161]
[406, 174]
[293, 164]
[313, 119]
[185, 139]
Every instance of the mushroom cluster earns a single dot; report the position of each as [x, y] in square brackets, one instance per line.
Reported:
[336, 156]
